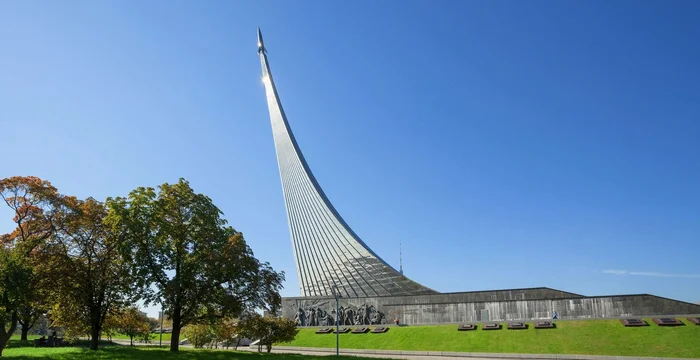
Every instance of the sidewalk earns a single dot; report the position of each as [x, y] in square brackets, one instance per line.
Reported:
[419, 355]
[415, 355]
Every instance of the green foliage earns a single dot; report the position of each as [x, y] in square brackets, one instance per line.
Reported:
[63, 316]
[92, 277]
[134, 324]
[185, 256]
[267, 329]
[14, 279]
[199, 335]
[225, 331]
[33, 202]
[583, 337]
[153, 323]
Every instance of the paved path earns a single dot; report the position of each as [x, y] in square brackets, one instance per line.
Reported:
[417, 355]
[393, 355]
[434, 355]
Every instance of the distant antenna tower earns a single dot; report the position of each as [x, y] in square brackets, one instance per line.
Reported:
[400, 259]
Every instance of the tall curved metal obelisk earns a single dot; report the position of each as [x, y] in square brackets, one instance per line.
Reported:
[326, 251]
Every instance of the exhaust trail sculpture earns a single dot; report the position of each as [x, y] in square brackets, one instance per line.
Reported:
[327, 252]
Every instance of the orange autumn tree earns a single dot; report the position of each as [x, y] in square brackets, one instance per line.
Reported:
[133, 323]
[33, 202]
[94, 279]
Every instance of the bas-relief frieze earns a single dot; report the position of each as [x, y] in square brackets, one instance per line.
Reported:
[323, 313]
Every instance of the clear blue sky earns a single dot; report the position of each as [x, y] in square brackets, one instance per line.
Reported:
[556, 143]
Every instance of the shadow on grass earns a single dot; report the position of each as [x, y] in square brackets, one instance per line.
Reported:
[14, 344]
[118, 352]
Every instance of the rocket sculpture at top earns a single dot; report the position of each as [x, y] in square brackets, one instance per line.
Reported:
[327, 253]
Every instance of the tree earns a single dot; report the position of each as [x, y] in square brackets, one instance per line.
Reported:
[134, 323]
[39, 288]
[63, 315]
[199, 335]
[14, 280]
[111, 326]
[247, 327]
[33, 202]
[225, 331]
[166, 321]
[268, 329]
[184, 255]
[92, 278]
[154, 324]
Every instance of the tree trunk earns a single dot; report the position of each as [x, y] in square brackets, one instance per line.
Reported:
[175, 336]
[94, 337]
[95, 327]
[27, 321]
[132, 340]
[5, 336]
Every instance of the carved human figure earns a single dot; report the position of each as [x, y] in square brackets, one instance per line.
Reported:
[300, 317]
[319, 317]
[324, 318]
[377, 317]
[340, 315]
[312, 317]
[360, 315]
[349, 317]
[366, 315]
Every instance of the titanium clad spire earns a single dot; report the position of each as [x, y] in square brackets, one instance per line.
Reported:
[326, 251]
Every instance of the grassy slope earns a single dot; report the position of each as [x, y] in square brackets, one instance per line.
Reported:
[148, 353]
[594, 337]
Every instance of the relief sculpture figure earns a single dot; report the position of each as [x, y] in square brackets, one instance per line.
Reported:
[312, 317]
[349, 317]
[300, 317]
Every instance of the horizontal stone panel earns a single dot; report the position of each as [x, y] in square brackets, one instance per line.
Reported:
[434, 309]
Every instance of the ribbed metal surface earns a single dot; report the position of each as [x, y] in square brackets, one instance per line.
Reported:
[326, 251]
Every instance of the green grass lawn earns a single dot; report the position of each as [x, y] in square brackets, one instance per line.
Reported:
[148, 353]
[583, 337]
[29, 337]
[154, 337]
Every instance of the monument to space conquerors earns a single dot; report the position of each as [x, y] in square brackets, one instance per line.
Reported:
[327, 252]
[328, 255]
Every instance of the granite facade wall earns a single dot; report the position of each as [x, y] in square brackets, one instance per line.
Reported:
[502, 305]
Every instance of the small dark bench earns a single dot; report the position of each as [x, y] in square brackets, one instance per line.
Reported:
[667, 322]
[342, 330]
[324, 331]
[361, 330]
[491, 326]
[379, 330]
[694, 320]
[515, 325]
[544, 325]
[466, 327]
[633, 322]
